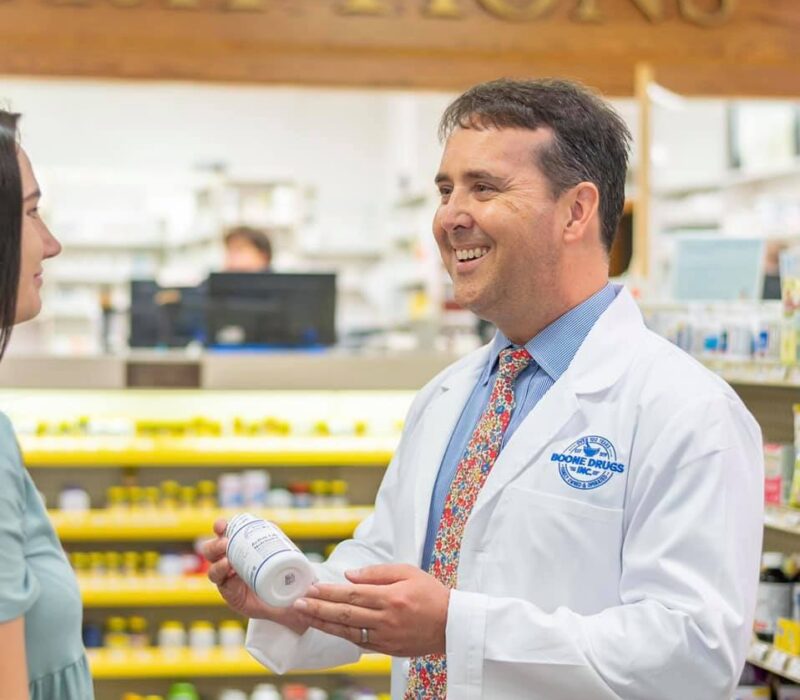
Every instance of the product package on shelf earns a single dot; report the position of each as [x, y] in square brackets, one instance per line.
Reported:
[790, 301]
[779, 468]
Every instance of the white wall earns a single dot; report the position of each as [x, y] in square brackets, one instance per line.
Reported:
[325, 139]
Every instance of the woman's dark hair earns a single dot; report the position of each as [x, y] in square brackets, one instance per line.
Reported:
[590, 140]
[10, 224]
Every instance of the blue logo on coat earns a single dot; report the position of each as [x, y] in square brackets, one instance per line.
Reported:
[588, 463]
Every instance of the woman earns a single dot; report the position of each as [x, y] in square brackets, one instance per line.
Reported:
[40, 606]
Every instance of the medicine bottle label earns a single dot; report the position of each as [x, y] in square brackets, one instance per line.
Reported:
[252, 542]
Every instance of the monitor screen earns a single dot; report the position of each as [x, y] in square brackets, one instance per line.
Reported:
[267, 309]
[166, 316]
[715, 268]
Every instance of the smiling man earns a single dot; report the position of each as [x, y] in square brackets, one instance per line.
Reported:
[574, 510]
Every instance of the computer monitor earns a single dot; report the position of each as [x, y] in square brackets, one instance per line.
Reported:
[715, 268]
[166, 316]
[267, 309]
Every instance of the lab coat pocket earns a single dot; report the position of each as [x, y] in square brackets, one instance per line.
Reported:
[550, 550]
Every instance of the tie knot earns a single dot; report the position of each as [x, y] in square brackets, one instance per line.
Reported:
[513, 361]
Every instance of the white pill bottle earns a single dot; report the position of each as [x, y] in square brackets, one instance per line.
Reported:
[268, 561]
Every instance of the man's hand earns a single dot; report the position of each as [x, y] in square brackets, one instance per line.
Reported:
[403, 609]
[237, 593]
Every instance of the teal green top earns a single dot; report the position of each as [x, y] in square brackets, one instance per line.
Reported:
[37, 582]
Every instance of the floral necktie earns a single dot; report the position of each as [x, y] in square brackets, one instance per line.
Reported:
[427, 675]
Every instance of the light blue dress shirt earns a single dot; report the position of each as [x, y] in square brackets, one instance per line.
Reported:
[552, 351]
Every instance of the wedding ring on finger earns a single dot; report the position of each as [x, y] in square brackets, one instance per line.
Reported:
[364, 635]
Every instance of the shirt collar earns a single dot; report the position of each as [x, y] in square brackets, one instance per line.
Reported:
[554, 348]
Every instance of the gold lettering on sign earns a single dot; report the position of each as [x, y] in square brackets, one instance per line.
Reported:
[588, 11]
[246, 5]
[443, 8]
[70, 3]
[183, 4]
[707, 19]
[363, 7]
[505, 9]
[652, 9]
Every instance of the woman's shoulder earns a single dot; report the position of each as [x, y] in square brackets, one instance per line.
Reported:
[9, 448]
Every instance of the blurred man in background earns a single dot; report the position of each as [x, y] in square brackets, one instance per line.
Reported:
[247, 249]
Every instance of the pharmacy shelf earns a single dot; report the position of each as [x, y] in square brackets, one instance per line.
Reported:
[224, 452]
[142, 524]
[109, 591]
[782, 518]
[750, 373]
[774, 660]
[733, 178]
[123, 664]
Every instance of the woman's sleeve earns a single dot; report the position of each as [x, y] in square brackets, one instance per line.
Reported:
[18, 586]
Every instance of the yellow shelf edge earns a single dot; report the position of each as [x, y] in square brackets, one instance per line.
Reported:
[99, 452]
[122, 664]
[110, 591]
[105, 525]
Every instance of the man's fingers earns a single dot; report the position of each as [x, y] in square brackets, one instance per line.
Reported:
[220, 572]
[382, 574]
[338, 613]
[351, 634]
[359, 596]
[220, 525]
[215, 549]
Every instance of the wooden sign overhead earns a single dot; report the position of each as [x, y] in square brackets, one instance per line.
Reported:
[704, 47]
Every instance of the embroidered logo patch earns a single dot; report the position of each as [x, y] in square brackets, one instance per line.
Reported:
[588, 463]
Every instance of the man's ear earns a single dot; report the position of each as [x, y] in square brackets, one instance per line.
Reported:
[582, 203]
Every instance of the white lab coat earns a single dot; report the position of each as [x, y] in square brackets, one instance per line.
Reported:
[642, 588]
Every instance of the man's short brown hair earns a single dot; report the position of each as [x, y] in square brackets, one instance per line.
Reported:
[254, 236]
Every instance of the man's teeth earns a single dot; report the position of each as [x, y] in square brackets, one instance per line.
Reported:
[471, 253]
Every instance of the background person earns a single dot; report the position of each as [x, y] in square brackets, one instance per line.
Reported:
[247, 249]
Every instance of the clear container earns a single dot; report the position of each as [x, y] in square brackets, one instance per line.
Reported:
[74, 499]
[202, 636]
[231, 694]
[231, 634]
[229, 488]
[171, 635]
[255, 486]
[265, 691]
[774, 596]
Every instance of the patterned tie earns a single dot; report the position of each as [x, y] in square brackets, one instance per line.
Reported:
[427, 675]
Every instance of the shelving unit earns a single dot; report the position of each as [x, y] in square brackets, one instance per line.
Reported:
[107, 451]
[121, 664]
[123, 525]
[174, 442]
[782, 519]
[147, 591]
[774, 660]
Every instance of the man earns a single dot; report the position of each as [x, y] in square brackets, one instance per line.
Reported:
[574, 511]
[247, 249]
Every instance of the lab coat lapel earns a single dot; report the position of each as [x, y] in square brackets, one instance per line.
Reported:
[600, 362]
[557, 408]
[437, 425]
